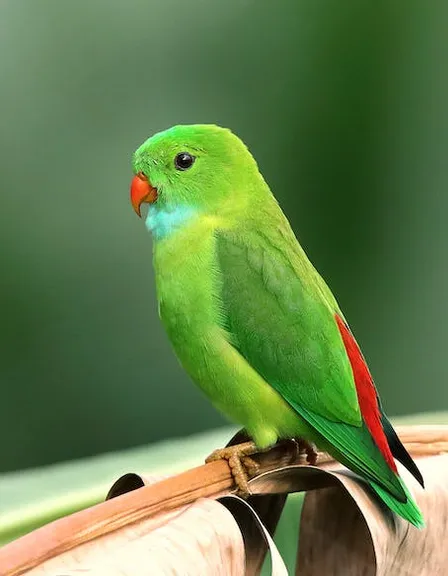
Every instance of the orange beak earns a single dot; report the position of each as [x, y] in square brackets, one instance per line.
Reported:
[142, 191]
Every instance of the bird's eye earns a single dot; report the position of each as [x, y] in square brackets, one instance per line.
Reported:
[184, 160]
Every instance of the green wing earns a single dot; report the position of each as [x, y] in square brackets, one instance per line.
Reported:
[280, 316]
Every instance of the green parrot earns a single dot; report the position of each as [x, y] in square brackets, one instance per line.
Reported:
[249, 317]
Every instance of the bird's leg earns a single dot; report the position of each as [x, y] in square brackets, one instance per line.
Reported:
[309, 449]
[241, 464]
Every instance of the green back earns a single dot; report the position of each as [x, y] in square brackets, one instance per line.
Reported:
[287, 333]
[280, 316]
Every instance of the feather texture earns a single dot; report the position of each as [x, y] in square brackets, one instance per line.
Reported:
[249, 317]
[367, 395]
[289, 334]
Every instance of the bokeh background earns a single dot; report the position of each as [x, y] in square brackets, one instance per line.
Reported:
[344, 104]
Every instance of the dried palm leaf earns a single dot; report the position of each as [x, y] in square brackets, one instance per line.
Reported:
[344, 530]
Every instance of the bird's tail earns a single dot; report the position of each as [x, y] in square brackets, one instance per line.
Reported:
[407, 510]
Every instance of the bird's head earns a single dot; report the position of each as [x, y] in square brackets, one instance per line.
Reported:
[197, 166]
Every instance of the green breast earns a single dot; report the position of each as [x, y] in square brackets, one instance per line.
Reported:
[186, 285]
[189, 286]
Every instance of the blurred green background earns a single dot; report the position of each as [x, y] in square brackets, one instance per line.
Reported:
[344, 104]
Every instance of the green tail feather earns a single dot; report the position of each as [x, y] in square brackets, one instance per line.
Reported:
[355, 448]
[407, 510]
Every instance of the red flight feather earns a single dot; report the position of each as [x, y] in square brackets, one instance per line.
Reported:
[367, 398]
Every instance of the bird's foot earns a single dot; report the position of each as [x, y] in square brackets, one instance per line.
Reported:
[304, 446]
[243, 467]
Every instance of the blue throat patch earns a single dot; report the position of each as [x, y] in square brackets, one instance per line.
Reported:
[164, 221]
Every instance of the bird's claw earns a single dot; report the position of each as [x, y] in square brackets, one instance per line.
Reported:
[241, 464]
[306, 447]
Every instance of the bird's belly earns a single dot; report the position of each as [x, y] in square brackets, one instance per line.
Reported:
[190, 311]
[203, 350]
